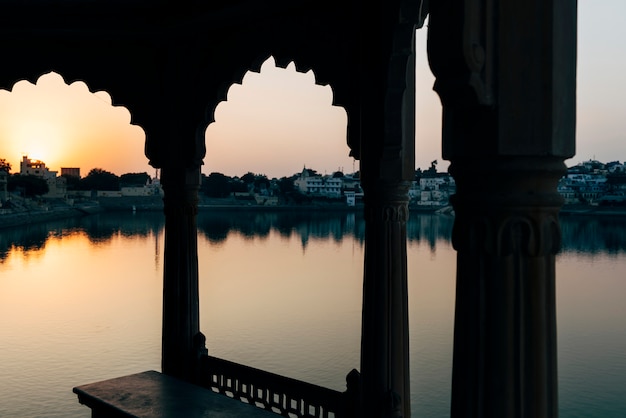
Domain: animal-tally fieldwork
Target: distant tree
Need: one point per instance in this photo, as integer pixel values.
(31, 185)
(71, 182)
(237, 185)
(5, 165)
(248, 178)
(255, 182)
(99, 179)
(261, 182)
(286, 185)
(216, 185)
(134, 179)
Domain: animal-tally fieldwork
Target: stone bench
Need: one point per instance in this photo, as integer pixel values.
(154, 395)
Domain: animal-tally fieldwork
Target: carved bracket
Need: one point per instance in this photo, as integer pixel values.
(387, 202)
(530, 232)
(507, 205)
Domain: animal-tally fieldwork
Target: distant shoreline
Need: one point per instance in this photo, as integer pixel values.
(8, 220)
(588, 210)
(27, 217)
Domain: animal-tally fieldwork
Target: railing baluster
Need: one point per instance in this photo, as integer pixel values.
(281, 395)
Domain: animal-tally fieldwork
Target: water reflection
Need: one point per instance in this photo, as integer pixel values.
(593, 235)
(338, 226)
(98, 228)
(216, 225)
(80, 301)
(582, 234)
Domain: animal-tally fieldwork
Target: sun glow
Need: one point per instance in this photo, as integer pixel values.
(68, 126)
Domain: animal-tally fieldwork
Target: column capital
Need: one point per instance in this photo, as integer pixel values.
(507, 205)
(387, 201)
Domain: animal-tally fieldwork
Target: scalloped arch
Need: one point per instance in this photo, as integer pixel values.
(34, 76)
(255, 65)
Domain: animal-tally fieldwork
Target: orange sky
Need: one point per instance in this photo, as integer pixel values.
(68, 126)
(284, 121)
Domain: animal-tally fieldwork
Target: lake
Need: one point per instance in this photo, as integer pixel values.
(80, 301)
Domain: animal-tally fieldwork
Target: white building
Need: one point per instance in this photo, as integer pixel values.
(151, 188)
(578, 187)
(318, 185)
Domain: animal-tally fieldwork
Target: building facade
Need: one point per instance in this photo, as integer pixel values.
(318, 185)
(70, 171)
(57, 186)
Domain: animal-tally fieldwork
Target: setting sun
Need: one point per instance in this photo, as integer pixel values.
(68, 126)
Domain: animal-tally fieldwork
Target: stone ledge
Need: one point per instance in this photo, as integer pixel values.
(154, 395)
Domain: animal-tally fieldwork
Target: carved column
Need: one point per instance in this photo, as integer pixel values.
(385, 333)
(180, 278)
(506, 233)
(506, 75)
(387, 153)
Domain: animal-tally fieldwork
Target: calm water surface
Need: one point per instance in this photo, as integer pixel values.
(80, 301)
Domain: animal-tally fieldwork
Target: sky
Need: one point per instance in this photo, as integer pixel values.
(285, 122)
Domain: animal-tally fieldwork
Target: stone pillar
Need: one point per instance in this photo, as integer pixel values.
(506, 232)
(506, 76)
(180, 278)
(387, 154)
(385, 332)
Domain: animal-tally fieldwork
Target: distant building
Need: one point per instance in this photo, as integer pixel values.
(57, 186)
(432, 189)
(151, 188)
(35, 168)
(351, 189)
(317, 185)
(350, 198)
(593, 182)
(70, 171)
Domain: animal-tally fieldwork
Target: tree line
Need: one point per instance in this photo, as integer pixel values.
(219, 185)
(215, 185)
(97, 179)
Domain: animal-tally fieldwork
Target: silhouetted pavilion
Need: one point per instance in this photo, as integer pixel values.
(506, 74)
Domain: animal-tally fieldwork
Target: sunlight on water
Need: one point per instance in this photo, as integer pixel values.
(73, 310)
(80, 301)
